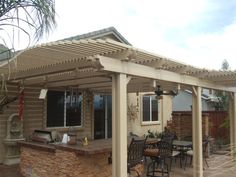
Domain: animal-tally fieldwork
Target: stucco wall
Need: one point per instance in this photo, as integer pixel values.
(166, 110)
(135, 124)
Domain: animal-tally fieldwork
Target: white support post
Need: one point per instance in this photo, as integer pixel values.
(119, 125)
(114, 138)
(197, 133)
(232, 119)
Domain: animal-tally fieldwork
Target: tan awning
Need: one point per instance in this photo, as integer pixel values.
(78, 63)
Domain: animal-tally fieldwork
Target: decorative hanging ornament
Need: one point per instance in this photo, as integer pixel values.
(21, 103)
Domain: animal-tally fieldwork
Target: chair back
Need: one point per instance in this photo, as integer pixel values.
(169, 137)
(205, 146)
(135, 152)
(165, 149)
(187, 138)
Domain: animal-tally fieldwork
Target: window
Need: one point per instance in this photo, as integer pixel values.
(150, 108)
(63, 109)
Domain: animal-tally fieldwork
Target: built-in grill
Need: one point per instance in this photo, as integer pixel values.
(42, 136)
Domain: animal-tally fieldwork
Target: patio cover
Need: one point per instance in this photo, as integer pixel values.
(103, 65)
(71, 61)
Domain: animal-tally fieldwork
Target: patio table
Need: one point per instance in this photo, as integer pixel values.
(182, 147)
(182, 144)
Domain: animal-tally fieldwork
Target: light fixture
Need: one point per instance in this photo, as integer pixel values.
(160, 92)
(43, 93)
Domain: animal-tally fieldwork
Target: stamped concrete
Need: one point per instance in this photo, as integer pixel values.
(219, 165)
(10, 171)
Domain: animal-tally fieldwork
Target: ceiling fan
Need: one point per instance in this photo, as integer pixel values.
(160, 92)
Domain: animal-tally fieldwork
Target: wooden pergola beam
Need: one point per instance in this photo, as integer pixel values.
(129, 68)
(81, 81)
(53, 69)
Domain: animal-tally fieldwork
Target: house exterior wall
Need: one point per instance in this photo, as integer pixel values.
(33, 113)
(86, 130)
(135, 124)
(183, 102)
(166, 110)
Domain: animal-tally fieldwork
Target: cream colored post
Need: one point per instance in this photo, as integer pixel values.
(206, 125)
(119, 125)
(197, 133)
(234, 122)
(114, 138)
(232, 119)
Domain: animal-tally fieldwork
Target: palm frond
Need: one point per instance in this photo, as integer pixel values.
(39, 15)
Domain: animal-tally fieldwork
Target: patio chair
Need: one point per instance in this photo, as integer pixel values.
(189, 153)
(135, 154)
(133, 134)
(158, 166)
(187, 138)
(150, 151)
(170, 137)
(205, 151)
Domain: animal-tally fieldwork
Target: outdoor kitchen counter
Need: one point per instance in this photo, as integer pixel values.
(93, 147)
(61, 160)
(64, 160)
(36, 145)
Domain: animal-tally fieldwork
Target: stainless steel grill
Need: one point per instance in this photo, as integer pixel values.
(42, 136)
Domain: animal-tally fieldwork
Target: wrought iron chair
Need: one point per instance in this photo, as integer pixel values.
(204, 152)
(135, 154)
(158, 166)
(170, 137)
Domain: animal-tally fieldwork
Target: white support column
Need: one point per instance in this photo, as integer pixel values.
(232, 119)
(197, 133)
(114, 138)
(119, 125)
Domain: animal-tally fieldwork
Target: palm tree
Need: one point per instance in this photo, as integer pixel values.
(27, 16)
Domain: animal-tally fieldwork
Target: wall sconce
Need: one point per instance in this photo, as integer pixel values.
(137, 97)
(43, 93)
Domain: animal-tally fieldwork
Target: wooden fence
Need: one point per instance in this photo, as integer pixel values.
(216, 120)
(212, 122)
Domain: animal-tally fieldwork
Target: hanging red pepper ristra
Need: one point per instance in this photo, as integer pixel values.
(21, 103)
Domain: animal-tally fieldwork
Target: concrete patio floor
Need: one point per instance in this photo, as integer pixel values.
(220, 165)
(10, 171)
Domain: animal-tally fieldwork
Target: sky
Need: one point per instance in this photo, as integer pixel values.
(201, 33)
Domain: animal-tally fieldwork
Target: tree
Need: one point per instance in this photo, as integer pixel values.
(25, 16)
(225, 65)
(222, 96)
(22, 17)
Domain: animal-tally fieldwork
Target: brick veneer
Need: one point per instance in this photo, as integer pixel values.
(41, 163)
(62, 160)
(181, 124)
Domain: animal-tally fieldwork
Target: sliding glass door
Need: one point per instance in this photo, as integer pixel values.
(102, 116)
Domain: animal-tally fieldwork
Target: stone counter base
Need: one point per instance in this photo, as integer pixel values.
(39, 163)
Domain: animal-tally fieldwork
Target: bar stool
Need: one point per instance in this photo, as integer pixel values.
(158, 167)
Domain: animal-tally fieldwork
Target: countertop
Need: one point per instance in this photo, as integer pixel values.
(93, 147)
